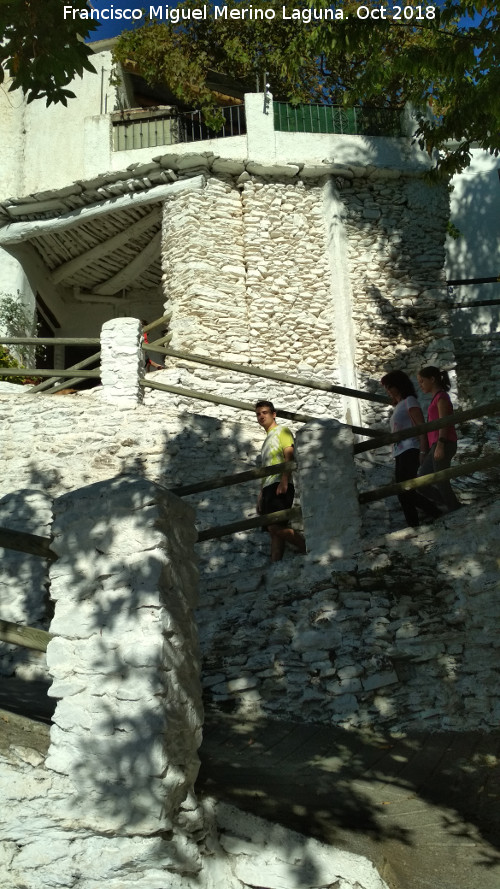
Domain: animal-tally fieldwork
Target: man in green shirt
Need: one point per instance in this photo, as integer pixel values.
(277, 491)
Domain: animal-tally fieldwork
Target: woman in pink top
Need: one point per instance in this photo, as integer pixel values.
(408, 453)
(442, 442)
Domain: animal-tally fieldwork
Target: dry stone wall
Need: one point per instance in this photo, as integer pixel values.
(283, 638)
(402, 634)
(395, 232)
(333, 278)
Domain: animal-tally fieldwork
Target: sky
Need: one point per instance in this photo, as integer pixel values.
(113, 28)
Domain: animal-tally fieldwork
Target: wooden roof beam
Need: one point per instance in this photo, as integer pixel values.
(70, 268)
(132, 271)
(17, 232)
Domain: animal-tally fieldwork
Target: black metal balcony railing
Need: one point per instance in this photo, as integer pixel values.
(192, 128)
(147, 129)
(334, 119)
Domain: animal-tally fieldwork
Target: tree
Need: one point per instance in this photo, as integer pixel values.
(41, 50)
(447, 66)
(434, 58)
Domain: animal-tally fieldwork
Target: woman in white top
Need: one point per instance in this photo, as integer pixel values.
(409, 453)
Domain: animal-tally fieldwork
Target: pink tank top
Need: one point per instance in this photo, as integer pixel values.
(433, 414)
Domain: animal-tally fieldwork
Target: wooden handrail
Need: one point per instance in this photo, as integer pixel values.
(365, 497)
(49, 341)
(247, 405)
(269, 374)
(31, 544)
(225, 481)
(152, 324)
(455, 419)
(25, 637)
(423, 481)
(47, 372)
(51, 382)
(246, 524)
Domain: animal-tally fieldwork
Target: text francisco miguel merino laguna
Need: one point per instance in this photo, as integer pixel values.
(200, 13)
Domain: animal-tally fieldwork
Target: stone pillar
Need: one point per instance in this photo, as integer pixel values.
(328, 494)
(125, 662)
(260, 126)
(122, 361)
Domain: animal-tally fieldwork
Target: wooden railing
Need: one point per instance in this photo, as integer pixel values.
(24, 637)
(375, 494)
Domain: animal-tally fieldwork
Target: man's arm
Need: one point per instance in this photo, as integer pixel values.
(283, 485)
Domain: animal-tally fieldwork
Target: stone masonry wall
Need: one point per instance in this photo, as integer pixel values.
(252, 275)
(246, 279)
(395, 234)
(283, 638)
(124, 660)
(402, 634)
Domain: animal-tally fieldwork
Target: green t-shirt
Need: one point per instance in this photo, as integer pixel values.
(277, 439)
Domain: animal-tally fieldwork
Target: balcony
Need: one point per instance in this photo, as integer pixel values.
(337, 120)
(148, 128)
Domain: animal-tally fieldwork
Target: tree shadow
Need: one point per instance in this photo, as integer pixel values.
(258, 641)
(23, 577)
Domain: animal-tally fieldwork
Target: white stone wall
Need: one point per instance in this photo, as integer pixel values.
(336, 279)
(124, 658)
(262, 627)
(395, 230)
(401, 634)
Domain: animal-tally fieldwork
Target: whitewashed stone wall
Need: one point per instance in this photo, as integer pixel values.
(340, 277)
(124, 660)
(36, 851)
(395, 233)
(402, 634)
(252, 615)
(247, 279)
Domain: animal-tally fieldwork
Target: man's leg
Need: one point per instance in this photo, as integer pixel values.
(277, 544)
(280, 536)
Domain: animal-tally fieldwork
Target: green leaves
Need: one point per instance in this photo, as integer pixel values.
(448, 70)
(41, 50)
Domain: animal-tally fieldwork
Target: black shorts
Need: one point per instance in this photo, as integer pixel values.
(273, 502)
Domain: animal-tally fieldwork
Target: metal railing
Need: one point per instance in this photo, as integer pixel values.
(335, 119)
(192, 128)
(132, 129)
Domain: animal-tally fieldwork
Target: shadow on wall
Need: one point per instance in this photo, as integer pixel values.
(475, 208)
(24, 578)
(264, 634)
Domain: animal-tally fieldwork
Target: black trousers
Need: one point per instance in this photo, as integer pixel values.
(407, 466)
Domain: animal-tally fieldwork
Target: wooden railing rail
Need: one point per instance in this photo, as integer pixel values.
(252, 370)
(365, 497)
(247, 524)
(25, 637)
(423, 481)
(225, 481)
(48, 372)
(31, 544)
(455, 419)
(51, 383)
(159, 321)
(246, 405)
(49, 341)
